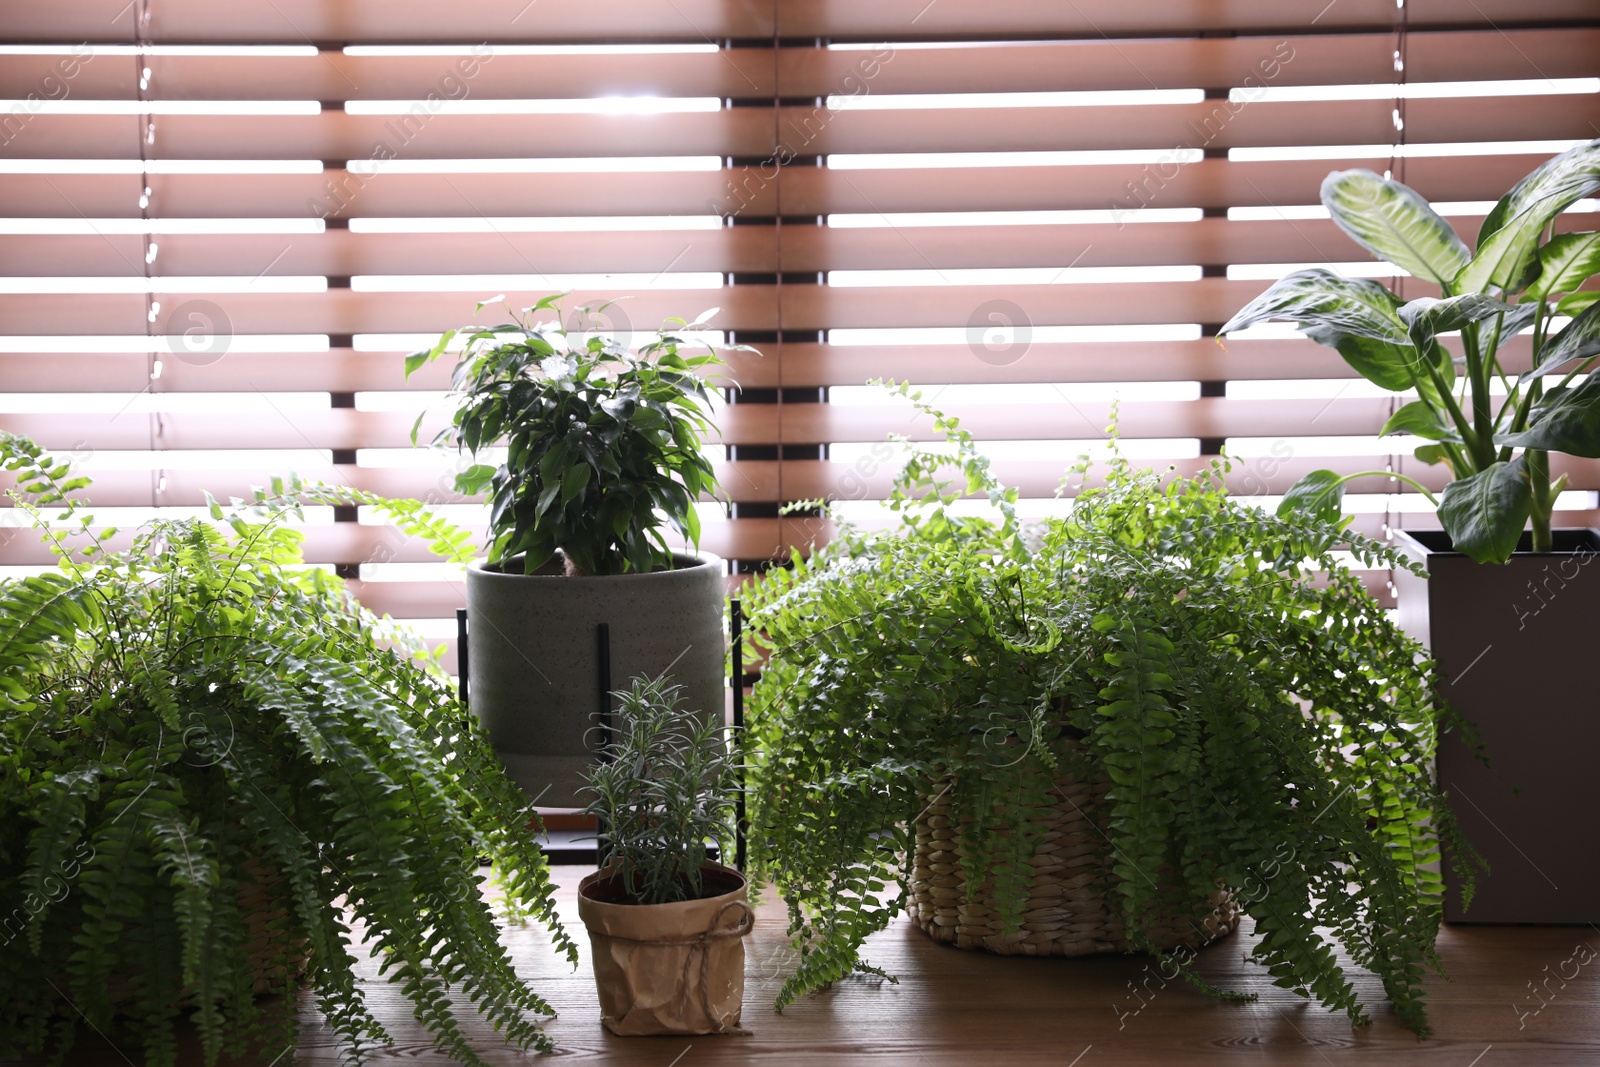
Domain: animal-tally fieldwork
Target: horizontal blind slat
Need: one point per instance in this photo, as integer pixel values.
(803, 366)
(792, 423)
(806, 248)
(332, 75)
(749, 307)
(346, 311)
(1187, 62)
(405, 21)
(749, 132)
(345, 542)
(914, 19)
(757, 480)
(343, 253)
(337, 193)
(1210, 183)
(747, 73)
(337, 136)
(742, 191)
(297, 21)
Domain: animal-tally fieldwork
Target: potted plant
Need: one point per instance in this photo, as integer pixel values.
(1496, 625)
(1109, 732)
(665, 924)
(603, 454)
(217, 769)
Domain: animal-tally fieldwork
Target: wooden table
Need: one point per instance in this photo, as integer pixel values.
(964, 1008)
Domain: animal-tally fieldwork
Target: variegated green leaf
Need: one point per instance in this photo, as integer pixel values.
(1578, 339)
(1394, 223)
(1484, 513)
(1320, 297)
(1508, 243)
(1568, 422)
(1565, 262)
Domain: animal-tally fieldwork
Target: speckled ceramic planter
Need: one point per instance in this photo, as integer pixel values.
(533, 667)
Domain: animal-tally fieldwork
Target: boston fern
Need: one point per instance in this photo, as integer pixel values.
(1522, 277)
(1262, 730)
(603, 445)
(199, 721)
(665, 788)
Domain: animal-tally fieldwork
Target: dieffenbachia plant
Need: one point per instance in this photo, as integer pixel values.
(1523, 276)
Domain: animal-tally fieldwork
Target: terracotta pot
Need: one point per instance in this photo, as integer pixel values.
(1511, 640)
(534, 665)
(669, 968)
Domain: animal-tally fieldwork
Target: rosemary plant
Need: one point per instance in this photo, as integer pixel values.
(665, 788)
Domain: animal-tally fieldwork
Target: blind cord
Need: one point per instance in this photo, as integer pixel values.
(1397, 166)
(152, 307)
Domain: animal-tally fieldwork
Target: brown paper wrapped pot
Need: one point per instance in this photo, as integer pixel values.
(669, 968)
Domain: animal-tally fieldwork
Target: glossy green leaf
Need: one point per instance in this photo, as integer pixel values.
(1389, 366)
(1577, 303)
(1395, 224)
(1421, 419)
(1357, 318)
(1508, 243)
(1566, 261)
(1432, 454)
(474, 479)
(1568, 421)
(1484, 513)
(1354, 306)
(1578, 339)
(1427, 317)
(1319, 494)
(573, 481)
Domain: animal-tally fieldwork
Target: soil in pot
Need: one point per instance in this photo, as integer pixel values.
(668, 968)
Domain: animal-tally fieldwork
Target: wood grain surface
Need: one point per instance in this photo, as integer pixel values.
(952, 1007)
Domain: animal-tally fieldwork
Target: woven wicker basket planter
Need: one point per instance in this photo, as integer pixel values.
(261, 909)
(1069, 911)
(269, 965)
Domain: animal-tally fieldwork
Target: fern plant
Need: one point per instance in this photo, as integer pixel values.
(664, 789)
(199, 715)
(1163, 634)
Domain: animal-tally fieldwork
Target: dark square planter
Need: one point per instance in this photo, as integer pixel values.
(1512, 642)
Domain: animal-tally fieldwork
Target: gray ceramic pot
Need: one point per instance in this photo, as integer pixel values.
(533, 666)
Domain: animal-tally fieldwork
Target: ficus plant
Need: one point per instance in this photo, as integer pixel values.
(664, 788)
(1523, 277)
(603, 445)
(1262, 728)
(217, 770)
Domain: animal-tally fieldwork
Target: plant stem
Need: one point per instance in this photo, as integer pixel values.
(1543, 499)
(1478, 382)
(1412, 482)
(1469, 436)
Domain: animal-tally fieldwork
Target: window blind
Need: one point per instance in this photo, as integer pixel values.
(221, 226)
